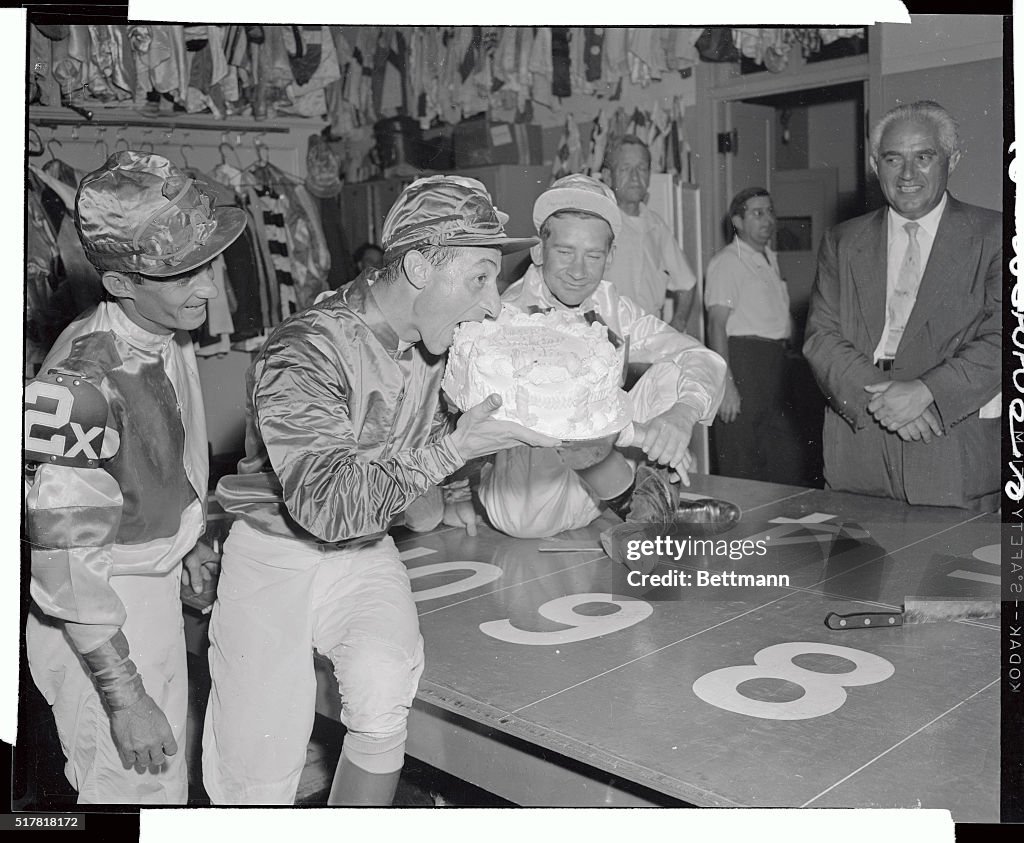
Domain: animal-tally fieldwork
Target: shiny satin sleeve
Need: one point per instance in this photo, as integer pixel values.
(679, 363)
(329, 488)
(73, 515)
(442, 424)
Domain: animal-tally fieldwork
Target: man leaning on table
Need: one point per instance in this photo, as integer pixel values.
(345, 431)
(535, 492)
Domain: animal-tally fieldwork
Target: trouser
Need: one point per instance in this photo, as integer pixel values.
(277, 599)
(155, 632)
(761, 443)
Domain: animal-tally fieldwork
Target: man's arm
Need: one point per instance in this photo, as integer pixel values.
(841, 370)
(682, 306)
(965, 381)
(680, 365)
(683, 373)
(72, 515)
(300, 400)
(718, 341)
(301, 409)
(682, 282)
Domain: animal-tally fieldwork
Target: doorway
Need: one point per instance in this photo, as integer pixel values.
(808, 148)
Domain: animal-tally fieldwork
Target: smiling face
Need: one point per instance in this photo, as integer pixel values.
(574, 251)
(462, 290)
(164, 306)
(912, 168)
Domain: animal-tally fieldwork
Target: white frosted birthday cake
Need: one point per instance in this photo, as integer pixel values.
(555, 373)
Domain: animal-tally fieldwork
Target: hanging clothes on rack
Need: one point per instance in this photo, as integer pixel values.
(249, 266)
(291, 227)
(84, 287)
(219, 323)
(213, 337)
(161, 63)
(323, 166)
(47, 313)
(314, 63)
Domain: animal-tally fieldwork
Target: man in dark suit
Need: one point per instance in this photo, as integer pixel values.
(904, 333)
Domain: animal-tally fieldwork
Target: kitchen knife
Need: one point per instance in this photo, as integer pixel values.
(917, 610)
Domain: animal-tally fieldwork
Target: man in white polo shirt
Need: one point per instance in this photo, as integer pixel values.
(749, 325)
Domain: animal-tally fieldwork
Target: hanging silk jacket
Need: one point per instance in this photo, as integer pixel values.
(70, 63)
(161, 62)
(291, 225)
(249, 264)
(112, 66)
(43, 323)
(315, 65)
(274, 66)
(80, 277)
(45, 89)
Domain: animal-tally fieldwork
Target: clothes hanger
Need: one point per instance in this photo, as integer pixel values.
(39, 149)
(49, 147)
(101, 139)
(262, 154)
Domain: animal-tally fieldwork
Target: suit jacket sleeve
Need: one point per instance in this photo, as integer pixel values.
(841, 370)
(971, 375)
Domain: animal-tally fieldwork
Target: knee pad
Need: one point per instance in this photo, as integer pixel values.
(374, 752)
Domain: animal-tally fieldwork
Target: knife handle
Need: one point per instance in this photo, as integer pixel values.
(863, 620)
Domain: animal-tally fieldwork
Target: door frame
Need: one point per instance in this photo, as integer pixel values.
(719, 84)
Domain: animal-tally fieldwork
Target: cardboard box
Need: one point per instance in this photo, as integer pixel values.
(479, 141)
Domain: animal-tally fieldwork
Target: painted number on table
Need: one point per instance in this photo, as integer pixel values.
(823, 693)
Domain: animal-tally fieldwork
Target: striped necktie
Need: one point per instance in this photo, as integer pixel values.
(904, 293)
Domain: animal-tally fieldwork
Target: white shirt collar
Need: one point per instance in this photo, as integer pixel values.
(135, 334)
(929, 222)
(747, 252)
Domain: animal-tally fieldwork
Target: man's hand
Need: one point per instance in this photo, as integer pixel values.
(922, 428)
(666, 439)
(142, 734)
(730, 406)
(896, 403)
(201, 565)
(477, 434)
(461, 514)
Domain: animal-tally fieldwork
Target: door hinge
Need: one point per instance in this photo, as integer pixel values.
(728, 141)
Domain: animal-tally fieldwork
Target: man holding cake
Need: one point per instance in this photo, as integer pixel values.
(345, 430)
(535, 492)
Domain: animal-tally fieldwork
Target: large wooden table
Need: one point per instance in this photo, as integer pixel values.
(551, 681)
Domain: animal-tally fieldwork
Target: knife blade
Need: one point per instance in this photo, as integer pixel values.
(917, 610)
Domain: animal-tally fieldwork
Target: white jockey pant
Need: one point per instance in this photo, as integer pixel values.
(277, 599)
(155, 632)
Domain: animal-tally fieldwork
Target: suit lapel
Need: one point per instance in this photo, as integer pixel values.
(945, 271)
(868, 267)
